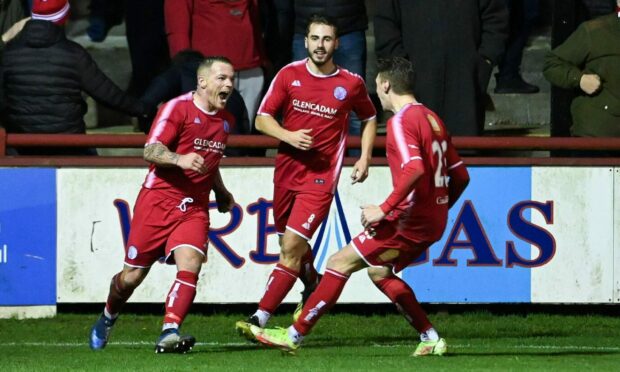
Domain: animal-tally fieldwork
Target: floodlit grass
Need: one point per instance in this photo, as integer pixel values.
(476, 341)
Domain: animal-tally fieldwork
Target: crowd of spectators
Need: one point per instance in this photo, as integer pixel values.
(454, 47)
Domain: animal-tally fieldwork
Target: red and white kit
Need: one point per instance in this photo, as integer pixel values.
(321, 103)
(172, 207)
(416, 218)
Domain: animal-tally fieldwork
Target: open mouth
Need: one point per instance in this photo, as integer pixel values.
(223, 95)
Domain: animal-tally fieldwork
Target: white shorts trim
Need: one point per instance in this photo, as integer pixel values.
(361, 255)
(297, 232)
(184, 245)
(136, 266)
(368, 263)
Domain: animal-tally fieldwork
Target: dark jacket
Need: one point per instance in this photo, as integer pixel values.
(348, 15)
(449, 43)
(43, 75)
(589, 50)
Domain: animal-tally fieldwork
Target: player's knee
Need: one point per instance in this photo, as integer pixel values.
(293, 247)
(133, 277)
(338, 262)
(188, 259)
(376, 274)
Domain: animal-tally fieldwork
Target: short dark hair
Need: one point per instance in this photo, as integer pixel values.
(321, 20)
(399, 72)
(210, 60)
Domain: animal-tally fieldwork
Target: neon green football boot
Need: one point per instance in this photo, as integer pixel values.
(276, 338)
(426, 348)
(244, 327)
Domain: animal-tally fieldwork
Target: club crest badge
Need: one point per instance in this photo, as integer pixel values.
(226, 126)
(132, 252)
(340, 93)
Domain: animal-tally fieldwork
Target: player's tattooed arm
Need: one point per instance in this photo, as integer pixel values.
(161, 156)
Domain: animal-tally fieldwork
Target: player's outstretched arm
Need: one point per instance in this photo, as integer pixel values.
(300, 139)
(224, 198)
(405, 184)
(159, 155)
(360, 168)
(459, 179)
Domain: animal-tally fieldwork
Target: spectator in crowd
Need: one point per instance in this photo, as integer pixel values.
(351, 20)
(104, 14)
(523, 14)
(414, 215)
(589, 60)
(43, 75)
(13, 16)
(453, 46)
(171, 215)
(146, 36)
(279, 23)
(181, 78)
(230, 28)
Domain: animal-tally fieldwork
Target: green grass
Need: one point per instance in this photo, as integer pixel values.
(476, 341)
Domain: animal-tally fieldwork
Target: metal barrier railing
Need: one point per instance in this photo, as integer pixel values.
(491, 146)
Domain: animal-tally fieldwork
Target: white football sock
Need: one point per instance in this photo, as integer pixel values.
(263, 317)
(108, 315)
(169, 326)
(295, 336)
(429, 335)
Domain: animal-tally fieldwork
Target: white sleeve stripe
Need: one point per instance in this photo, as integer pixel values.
(340, 157)
(455, 165)
(369, 119)
(399, 136)
(161, 121)
(269, 93)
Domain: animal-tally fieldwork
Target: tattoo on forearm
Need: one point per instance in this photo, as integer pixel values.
(160, 155)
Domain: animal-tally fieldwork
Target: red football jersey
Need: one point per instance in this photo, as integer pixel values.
(183, 127)
(321, 103)
(417, 134)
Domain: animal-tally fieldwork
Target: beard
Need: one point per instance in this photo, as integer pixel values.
(320, 62)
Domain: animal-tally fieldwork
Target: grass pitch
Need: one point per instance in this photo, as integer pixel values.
(341, 342)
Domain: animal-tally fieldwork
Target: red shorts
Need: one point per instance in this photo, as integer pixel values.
(160, 225)
(302, 212)
(384, 245)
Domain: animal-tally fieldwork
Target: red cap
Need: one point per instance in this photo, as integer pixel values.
(56, 11)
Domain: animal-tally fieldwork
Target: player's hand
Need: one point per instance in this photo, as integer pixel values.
(192, 161)
(300, 139)
(225, 201)
(360, 171)
(590, 83)
(371, 214)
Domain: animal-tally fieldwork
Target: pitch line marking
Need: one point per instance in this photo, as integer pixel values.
(225, 344)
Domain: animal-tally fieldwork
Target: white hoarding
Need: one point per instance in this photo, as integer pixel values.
(91, 203)
(582, 268)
